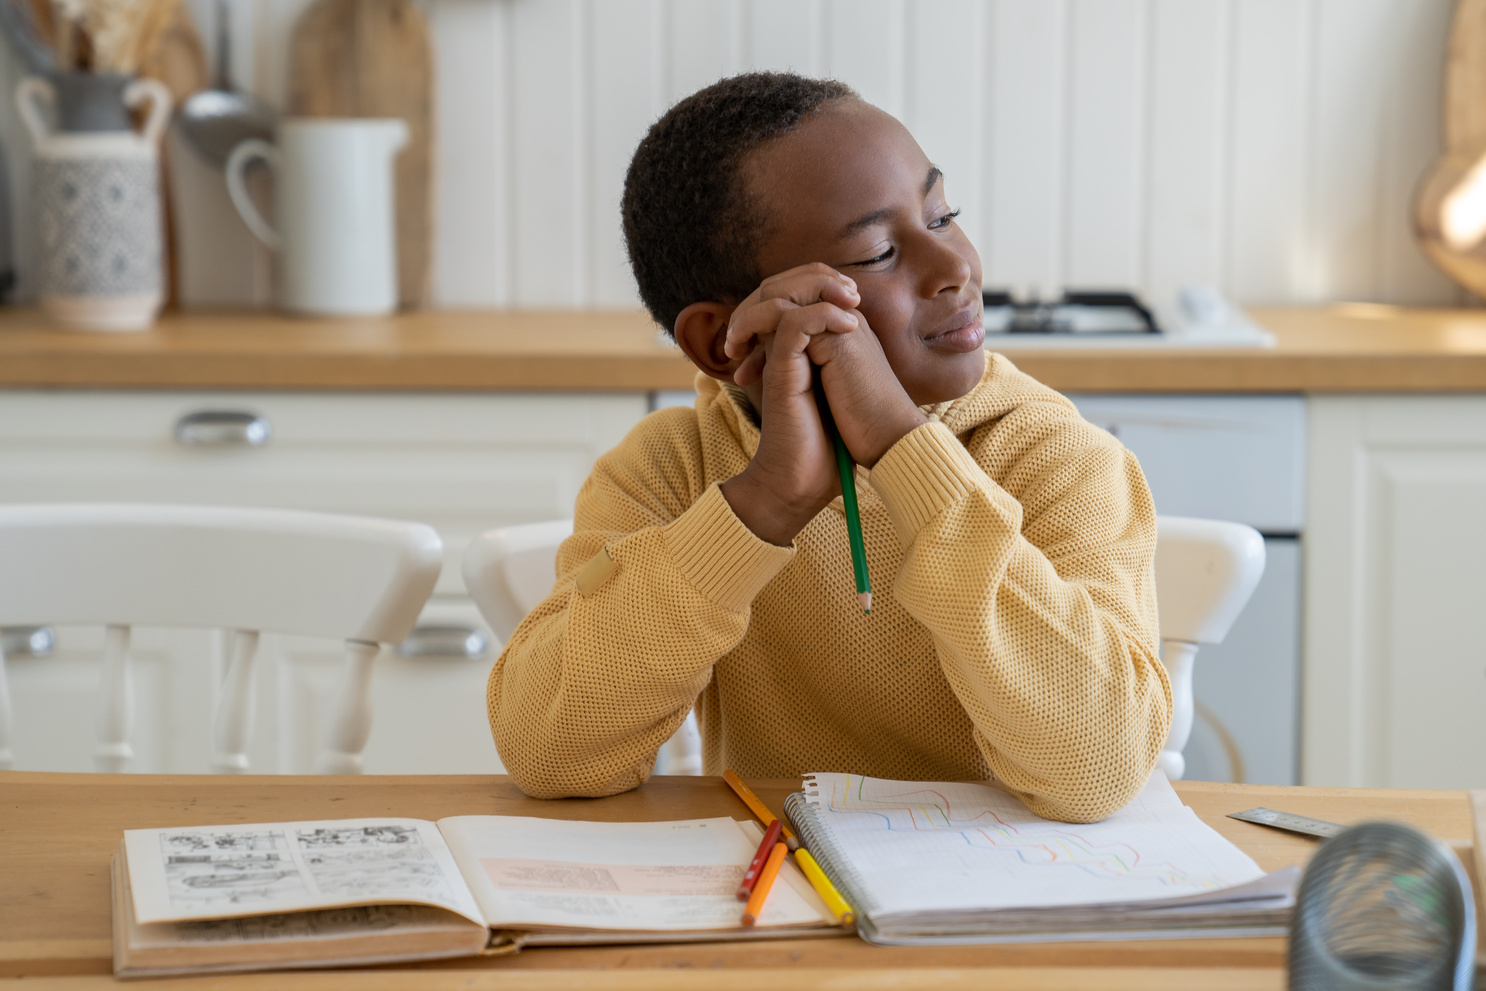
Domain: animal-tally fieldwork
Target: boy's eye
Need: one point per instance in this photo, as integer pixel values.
(873, 261)
(945, 220)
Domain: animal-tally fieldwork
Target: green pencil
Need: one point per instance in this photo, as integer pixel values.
(847, 468)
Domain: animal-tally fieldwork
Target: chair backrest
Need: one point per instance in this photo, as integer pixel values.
(1206, 570)
(357, 579)
(509, 571)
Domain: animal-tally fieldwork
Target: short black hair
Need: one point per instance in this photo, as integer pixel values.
(689, 225)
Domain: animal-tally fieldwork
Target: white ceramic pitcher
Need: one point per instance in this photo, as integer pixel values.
(335, 241)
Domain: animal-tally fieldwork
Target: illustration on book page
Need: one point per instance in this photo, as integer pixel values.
(236, 867)
(366, 859)
(221, 871)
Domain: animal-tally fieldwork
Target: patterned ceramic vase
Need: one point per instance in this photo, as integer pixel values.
(98, 220)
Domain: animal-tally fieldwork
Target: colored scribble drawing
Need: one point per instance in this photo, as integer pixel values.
(232, 868)
(1032, 840)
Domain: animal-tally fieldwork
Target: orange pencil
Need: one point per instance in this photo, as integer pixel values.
(755, 905)
(757, 807)
(765, 847)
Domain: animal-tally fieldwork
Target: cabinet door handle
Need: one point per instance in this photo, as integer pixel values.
(28, 641)
(222, 428)
(446, 641)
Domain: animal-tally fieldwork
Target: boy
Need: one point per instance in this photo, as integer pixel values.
(783, 228)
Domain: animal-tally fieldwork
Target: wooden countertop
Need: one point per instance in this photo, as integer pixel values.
(1342, 348)
(57, 832)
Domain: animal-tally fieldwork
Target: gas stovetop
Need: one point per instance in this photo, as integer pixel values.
(1075, 312)
(1116, 318)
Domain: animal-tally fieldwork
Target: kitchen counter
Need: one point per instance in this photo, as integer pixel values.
(1341, 348)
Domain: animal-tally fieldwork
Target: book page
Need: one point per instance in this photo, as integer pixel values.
(217, 872)
(943, 846)
(666, 876)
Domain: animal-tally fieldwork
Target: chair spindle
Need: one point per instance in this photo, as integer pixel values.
(232, 725)
(350, 718)
(115, 703)
(1178, 656)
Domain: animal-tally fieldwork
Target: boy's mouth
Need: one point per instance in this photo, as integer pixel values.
(963, 332)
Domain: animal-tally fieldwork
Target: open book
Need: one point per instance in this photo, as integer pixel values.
(934, 862)
(361, 891)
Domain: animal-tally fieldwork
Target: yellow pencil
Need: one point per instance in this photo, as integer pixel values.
(817, 877)
(823, 887)
(766, 877)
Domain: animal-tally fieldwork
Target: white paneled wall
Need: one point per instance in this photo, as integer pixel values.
(1268, 147)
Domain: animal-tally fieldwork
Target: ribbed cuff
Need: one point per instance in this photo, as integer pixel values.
(927, 471)
(719, 555)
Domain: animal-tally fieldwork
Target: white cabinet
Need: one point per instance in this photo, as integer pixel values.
(460, 462)
(1395, 675)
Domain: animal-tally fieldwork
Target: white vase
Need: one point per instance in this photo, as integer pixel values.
(99, 224)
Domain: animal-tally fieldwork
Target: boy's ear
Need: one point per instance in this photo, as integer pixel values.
(701, 330)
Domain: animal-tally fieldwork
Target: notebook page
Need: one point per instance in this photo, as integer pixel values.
(218, 872)
(665, 876)
(925, 846)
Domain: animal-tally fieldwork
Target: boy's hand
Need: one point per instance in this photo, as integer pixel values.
(794, 321)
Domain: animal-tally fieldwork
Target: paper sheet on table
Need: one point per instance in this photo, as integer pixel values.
(217, 872)
(942, 847)
(530, 873)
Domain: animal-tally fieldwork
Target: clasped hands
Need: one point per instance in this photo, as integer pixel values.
(795, 321)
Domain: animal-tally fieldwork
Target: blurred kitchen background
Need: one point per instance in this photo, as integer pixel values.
(1269, 148)
(1262, 152)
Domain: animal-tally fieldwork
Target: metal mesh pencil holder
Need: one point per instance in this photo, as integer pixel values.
(1382, 907)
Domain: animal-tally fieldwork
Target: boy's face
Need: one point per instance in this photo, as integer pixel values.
(852, 189)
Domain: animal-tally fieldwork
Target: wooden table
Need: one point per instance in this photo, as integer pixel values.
(57, 832)
(1340, 348)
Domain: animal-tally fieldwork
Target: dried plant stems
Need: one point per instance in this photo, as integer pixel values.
(120, 33)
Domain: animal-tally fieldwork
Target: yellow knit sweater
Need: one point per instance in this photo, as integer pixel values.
(1013, 633)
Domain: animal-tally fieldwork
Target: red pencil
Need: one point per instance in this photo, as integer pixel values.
(750, 876)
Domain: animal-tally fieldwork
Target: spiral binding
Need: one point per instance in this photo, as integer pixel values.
(802, 814)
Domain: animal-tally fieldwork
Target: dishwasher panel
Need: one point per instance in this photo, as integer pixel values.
(1239, 458)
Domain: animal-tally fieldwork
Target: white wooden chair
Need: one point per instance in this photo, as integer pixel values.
(247, 571)
(1206, 570)
(508, 572)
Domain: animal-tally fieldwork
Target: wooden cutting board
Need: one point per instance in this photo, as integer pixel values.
(179, 61)
(372, 58)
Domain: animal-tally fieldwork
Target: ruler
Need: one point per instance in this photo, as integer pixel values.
(1289, 821)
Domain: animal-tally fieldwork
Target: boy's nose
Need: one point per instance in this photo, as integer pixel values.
(946, 268)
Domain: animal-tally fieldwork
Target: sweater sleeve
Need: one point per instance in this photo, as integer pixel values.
(600, 675)
(1041, 603)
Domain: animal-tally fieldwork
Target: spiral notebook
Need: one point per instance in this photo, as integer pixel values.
(944, 862)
